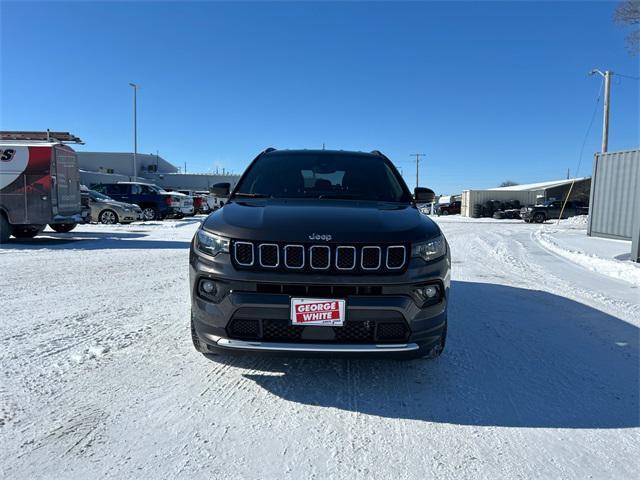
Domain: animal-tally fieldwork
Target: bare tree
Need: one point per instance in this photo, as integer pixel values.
(627, 13)
(508, 183)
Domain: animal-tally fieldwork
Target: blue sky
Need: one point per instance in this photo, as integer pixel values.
(489, 91)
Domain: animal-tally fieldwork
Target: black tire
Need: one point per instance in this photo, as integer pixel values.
(5, 229)
(438, 349)
(108, 217)
(26, 231)
(149, 214)
(539, 218)
(62, 227)
(445, 212)
(197, 344)
(433, 352)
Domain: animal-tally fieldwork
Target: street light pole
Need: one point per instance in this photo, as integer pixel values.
(135, 127)
(417, 155)
(605, 115)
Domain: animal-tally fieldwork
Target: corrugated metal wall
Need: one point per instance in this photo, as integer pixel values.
(615, 194)
(473, 197)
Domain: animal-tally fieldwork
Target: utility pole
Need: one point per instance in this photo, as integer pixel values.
(605, 116)
(417, 155)
(135, 127)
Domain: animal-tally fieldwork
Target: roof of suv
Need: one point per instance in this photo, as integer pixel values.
(321, 152)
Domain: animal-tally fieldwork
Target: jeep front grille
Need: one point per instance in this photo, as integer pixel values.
(320, 258)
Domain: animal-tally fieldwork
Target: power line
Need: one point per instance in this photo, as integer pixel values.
(626, 76)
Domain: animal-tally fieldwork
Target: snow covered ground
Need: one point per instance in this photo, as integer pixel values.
(99, 379)
(602, 255)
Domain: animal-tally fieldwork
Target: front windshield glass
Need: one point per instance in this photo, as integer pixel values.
(157, 189)
(99, 196)
(323, 175)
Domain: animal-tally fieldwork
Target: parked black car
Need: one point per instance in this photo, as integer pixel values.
(156, 204)
(451, 208)
(320, 252)
(551, 209)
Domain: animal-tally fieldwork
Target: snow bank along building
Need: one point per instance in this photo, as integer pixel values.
(529, 194)
(113, 167)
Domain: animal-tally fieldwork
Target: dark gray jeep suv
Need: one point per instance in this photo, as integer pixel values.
(320, 252)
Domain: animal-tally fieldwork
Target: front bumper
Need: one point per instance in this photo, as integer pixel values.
(257, 346)
(243, 298)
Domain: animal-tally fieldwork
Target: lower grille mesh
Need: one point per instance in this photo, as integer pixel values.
(278, 330)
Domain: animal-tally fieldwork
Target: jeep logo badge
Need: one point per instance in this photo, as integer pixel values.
(316, 236)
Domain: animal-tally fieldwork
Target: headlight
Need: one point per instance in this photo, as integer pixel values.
(430, 250)
(211, 244)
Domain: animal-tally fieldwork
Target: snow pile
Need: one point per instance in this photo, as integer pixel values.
(578, 220)
(622, 270)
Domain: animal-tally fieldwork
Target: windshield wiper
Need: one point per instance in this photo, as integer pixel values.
(252, 195)
(338, 195)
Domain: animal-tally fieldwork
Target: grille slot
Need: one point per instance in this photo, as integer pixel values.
(320, 257)
(269, 255)
(294, 256)
(244, 253)
(345, 258)
(371, 258)
(396, 256)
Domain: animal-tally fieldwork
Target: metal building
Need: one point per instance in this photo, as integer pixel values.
(529, 194)
(112, 167)
(615, 197)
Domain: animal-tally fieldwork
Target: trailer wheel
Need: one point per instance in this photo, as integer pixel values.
(108, 217)
(26, 231)
(539, 218)
(5, 229)
(62, 227)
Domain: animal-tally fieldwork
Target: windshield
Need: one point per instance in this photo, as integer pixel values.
(323, 175)
(99, 196)
(157, 189)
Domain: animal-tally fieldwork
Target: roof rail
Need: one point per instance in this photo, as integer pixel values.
(62, 137)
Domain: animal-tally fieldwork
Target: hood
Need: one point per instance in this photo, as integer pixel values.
(282, 220)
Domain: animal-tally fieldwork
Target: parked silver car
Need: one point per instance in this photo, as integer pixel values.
(105, 209)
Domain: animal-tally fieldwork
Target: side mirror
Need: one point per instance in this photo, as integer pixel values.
(221, 189)
(423, 195)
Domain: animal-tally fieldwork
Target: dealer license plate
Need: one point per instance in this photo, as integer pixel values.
(317, 311)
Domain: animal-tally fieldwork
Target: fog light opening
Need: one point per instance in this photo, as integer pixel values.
(430, 291)
(208, 287)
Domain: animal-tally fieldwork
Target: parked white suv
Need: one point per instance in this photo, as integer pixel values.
(183, 203)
